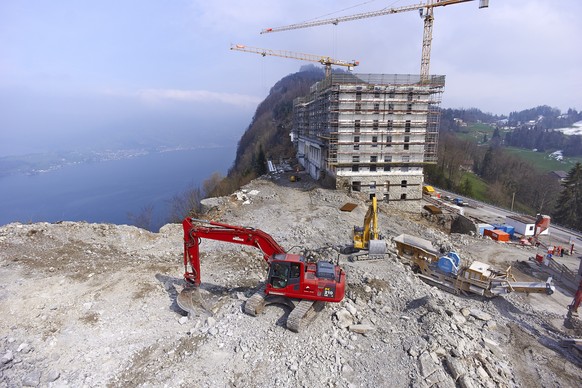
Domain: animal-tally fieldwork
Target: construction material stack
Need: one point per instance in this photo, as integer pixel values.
(449, 272)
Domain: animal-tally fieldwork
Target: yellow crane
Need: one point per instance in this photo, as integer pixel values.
(324, 60)
(425, 9)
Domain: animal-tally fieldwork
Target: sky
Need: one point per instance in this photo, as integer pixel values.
(105, 73)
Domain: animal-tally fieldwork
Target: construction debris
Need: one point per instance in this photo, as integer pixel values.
(77, 295)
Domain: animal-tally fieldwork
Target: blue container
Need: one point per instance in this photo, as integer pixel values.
(510, 230)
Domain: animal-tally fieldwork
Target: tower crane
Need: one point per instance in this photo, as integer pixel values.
(425, 8)
(324, 60)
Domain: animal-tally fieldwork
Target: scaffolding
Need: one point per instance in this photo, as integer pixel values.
(373, 133)
(372, 114)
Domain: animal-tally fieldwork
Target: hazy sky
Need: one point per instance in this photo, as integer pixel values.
(99, 71)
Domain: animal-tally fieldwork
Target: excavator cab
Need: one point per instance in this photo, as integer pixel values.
(279, 274)
(283, 274)
(292, 276)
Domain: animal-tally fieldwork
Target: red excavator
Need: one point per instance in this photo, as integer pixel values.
(292, 280)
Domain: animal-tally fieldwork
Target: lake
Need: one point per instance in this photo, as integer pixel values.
(107, 191)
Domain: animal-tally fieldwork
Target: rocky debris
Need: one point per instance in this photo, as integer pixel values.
(480, 315)
(94, 305)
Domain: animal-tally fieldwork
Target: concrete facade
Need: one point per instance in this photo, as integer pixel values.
(372, 133)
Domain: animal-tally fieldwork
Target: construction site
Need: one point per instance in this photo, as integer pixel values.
(98, 305)
(370, 133)
(289, 283)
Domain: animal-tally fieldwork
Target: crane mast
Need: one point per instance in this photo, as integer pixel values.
(324, 60)
(426, 12)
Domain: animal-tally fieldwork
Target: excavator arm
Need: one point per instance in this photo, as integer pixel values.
(195, 230)
(369, 231)
(372, 218)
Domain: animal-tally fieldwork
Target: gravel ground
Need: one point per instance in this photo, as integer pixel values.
(94, 305)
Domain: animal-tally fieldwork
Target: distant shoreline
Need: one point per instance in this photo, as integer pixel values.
(108, 192)
(46, 162)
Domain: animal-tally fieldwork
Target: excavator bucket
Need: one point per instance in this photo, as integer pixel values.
(190, 300)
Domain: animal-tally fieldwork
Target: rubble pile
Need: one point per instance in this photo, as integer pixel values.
(94, 305)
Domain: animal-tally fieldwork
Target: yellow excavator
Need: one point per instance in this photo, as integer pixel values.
(367, 238)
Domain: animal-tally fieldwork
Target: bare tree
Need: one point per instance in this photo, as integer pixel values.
(210, 185)
(143, 219)
(185, 203)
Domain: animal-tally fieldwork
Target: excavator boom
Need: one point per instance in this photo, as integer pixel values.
(221, 232)
(369, 231)
(292, 280)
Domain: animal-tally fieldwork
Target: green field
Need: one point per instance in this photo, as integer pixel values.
(477, 131)
(478, 186)
(542, 160)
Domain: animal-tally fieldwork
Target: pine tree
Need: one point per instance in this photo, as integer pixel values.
(569, 206)
(496, 138)
(486, 164)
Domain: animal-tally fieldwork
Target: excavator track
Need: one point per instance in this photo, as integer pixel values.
(303, 313)
(256, 303)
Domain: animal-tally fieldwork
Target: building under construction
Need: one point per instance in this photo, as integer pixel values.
(370, 133)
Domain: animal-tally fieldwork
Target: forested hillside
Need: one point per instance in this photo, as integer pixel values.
(267, 137)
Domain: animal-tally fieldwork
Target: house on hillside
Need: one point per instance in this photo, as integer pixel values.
(558, 175)
(459, 122)
(370, 133)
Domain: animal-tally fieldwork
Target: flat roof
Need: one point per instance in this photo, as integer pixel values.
(523, 219)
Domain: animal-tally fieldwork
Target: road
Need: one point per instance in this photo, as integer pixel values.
(495, 215)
